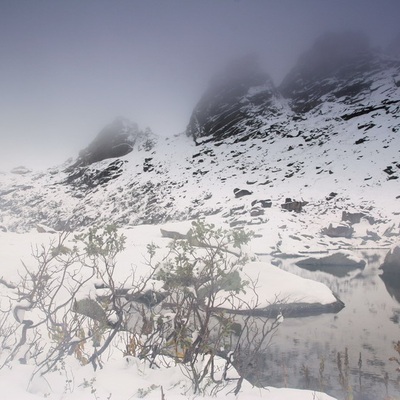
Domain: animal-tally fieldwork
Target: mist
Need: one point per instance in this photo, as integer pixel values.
(69, 68)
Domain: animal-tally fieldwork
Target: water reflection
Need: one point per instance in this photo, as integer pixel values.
(392, 284)
(305, 351)
(337, 264)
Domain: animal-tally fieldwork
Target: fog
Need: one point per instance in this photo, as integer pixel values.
(70, 67)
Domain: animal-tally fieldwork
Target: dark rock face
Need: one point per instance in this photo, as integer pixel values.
(234, 103)
(342, 56)
(339, 68)
(391, 264)
(115, 140)
(88, 178)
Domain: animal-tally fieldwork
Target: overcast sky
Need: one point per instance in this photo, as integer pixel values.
(69, 67)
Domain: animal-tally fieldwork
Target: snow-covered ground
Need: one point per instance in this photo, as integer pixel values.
(125, 377)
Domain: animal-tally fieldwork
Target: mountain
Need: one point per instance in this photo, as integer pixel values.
(323, 143)
(115, 140)
(236, 103)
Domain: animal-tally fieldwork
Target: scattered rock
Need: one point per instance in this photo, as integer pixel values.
(362, 140)
(296, 206)
(389, 170)
(147, 165)
(331, 196)
(241, 192)
(237, 210)
(234, 224)
(390, 231)
(256, 212)
(338, 230)
(353, 218)
(173, 235)
(263, 203)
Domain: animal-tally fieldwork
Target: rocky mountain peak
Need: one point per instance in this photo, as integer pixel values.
(338, 65)
(233, 97)
(115, 140)
(243, 72)
(331, 52)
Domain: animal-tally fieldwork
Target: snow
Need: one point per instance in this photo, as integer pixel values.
(275, 285)
(74, 382)
(126, 378)
(304, 159)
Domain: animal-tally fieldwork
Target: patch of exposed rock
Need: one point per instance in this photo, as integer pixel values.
(338, 230)
(337, 264)
(235, 103)
(115, 140)
(329, 67)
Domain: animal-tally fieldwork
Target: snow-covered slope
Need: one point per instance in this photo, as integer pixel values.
(340, 152)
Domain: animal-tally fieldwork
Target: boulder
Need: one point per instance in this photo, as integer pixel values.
(92, 309)
(263, 203)
(293, 205)
(353, 218)
(241, 192)
(256, 212)
(337, 264)
(338, 230)
(173, 235)
(331, 196)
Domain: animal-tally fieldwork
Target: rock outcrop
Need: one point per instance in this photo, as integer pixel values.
(337, 264)
(235, 103)
(338, 230)
(115, 140)
(333, 68)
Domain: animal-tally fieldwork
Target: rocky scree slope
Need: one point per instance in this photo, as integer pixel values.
(325, 143)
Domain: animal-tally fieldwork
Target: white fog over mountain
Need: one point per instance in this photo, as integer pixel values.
(200, 199)
(67, 70)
